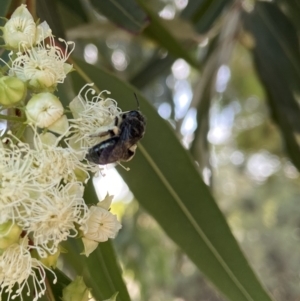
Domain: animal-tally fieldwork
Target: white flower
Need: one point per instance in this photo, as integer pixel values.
(43, 66)
(44, 109)
(54, 164)
(54, 216)
(18, 182)
(27, 174)
(21, 31)
(16, 267)
(101, 225)
(91, 117)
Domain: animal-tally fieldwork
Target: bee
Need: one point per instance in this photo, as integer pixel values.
(129, 128)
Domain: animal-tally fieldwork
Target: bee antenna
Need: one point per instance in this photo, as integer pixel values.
(137, 101)
(126, 168)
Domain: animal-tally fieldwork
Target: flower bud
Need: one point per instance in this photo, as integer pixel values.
(76, 291)
(44, 109)
(20, 29)
(12, 91)
(9, 234)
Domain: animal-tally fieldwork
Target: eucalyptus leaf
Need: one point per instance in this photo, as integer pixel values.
(203, 14)
(5, 4)
(157, 31)
(76, 7)
(126, 14)
(165, 181)
(277, 59)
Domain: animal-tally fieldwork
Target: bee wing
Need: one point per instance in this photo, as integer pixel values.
(125, 132)
(102, 153)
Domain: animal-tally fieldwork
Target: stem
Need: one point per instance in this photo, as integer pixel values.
(12, 118)
(20, 131)
(49, 292)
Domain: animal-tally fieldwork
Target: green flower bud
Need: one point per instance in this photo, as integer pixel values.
(76, 291)
(44, 109)
(12, 91)
(9, 234)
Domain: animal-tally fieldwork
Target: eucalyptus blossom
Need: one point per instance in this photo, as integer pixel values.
(43, 170)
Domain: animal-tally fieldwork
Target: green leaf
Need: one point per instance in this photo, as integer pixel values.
(113, 297)
(62, 281)
(277, 58)
(164, 179)
(5, 4)
(47, 11)
(154, 67)
(101, 271)
(157, 31)
(126, 14)
(204, 13)
(292, 9)
(207, 13)
(76, 7)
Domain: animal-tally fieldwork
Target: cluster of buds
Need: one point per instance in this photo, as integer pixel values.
(43, 170)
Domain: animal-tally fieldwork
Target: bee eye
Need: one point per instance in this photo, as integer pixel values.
(124, 116)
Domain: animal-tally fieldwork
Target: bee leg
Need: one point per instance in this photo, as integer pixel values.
(130, 152)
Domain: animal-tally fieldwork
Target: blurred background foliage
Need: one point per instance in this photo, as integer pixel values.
(225, 75)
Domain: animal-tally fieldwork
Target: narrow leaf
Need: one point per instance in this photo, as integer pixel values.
(5, 4)
(157, 31)
(207, 13)
(126, 14)
(164, 179)
(76, 7)
(277, 58)
(62, 282)
(153, 68)
(203, 14)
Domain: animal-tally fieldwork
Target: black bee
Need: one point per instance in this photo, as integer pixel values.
(129, 129)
